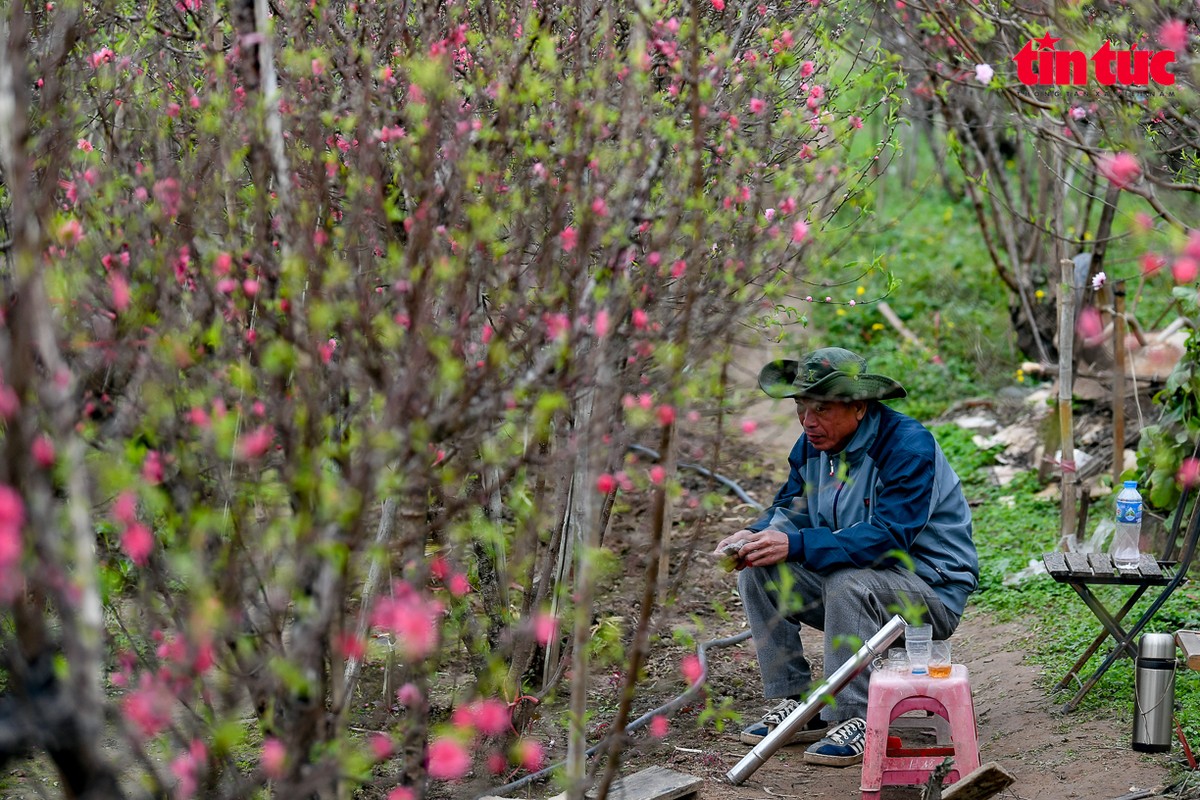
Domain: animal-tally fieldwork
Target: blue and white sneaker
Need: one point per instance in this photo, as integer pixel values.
(758, 731)
(841, 747)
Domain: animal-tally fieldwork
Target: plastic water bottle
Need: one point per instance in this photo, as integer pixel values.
(1127, 536)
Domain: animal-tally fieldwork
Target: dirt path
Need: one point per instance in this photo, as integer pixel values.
(1052, 756)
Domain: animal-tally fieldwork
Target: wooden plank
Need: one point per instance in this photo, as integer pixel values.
(653, 783)
(1120, 578)
(987, 781)
(1101, 563)
(1078, 564)
(1149, 567)
(1055, 563)
(1189, 643)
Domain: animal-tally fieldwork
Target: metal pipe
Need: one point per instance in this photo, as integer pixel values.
(818, 697)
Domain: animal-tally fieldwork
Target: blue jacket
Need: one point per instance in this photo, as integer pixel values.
(890, 490)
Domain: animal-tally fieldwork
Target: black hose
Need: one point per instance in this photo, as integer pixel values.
(706, 472)
(671, 707)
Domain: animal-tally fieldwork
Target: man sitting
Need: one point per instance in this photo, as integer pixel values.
(871, 522)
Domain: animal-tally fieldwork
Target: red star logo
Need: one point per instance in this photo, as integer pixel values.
(1047, 42)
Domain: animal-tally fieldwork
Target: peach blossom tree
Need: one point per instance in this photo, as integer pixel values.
(325, 330)
(1065, 139)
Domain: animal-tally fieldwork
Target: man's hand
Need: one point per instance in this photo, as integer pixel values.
(759, 549)
(729, 550)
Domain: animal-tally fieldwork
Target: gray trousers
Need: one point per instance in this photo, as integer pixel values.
(850, 606)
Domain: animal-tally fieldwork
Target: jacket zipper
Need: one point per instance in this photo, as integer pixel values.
(837, 494)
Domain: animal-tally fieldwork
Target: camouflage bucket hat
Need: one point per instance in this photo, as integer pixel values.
(831, 373)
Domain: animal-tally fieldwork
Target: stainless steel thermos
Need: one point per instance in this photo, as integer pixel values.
(1154, 693)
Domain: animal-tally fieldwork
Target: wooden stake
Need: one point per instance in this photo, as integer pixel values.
(990, 779)
(1066, 348)
(1118, 411)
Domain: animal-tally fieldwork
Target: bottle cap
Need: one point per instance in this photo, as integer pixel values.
(1157, 645)
(1130, 484)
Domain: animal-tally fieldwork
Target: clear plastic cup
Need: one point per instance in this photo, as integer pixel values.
(897, 660)
(917, 641)
(939, 659)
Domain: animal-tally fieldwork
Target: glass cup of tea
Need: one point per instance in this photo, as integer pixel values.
(939, 659)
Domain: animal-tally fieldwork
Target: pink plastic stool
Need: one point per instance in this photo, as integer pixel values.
(892, 694)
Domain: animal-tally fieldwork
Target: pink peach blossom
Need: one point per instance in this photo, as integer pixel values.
(43, 451)
(137, 542)
(120, 291)
(1173, 35)
(1121, 169)
(1152, 263)
(799, 231)
(459, 585)
(557, 325)
(381, 746)
(1192, 247)
(1189, 472)
(491, 717)
(273, 758)
(447, 760)
(411, 618)
(692, 669)
(12, 518)
(1184, 269)
(254, 444)
(568, 238)
(168, 195)
(409, 695)
(10, 404)
(1089, 325)
(152, 468)
(529, 754)
(545, 627)
(125, 508)
(148, 707)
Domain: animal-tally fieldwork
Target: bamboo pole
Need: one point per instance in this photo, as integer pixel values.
(1066, 347)
(584, 537)
(1118, 411)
